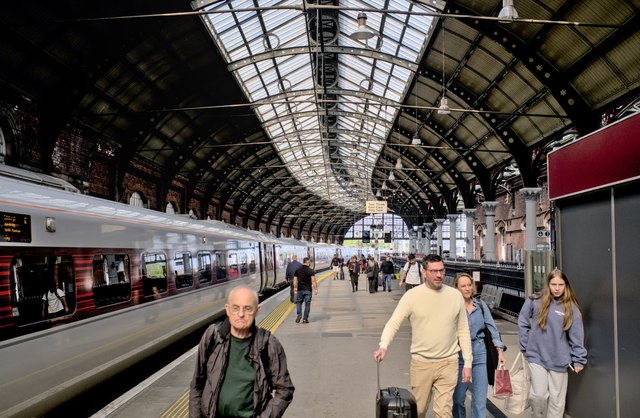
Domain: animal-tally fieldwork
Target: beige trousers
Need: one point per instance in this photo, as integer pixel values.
(439, 376)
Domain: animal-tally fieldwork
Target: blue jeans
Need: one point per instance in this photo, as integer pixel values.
(386, 281)
(479, 384)
(306, 296)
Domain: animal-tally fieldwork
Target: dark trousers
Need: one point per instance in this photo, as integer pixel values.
(354, 280)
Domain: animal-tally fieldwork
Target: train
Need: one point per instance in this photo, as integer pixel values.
(134, 281)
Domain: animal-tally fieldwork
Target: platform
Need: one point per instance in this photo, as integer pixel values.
(330, 358)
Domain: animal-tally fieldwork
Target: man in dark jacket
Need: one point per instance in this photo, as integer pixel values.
(241, 370)
(387, 272)
(292, 267)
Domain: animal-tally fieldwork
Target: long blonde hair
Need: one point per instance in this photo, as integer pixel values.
(568, 301)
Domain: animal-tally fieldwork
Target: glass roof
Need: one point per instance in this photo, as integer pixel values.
(327, 101)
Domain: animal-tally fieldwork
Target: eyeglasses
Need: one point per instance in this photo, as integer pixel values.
(245, 309)
(441, 271)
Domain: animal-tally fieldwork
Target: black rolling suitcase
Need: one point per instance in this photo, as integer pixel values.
(393, 402)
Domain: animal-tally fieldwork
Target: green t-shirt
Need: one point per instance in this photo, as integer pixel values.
(236, 394)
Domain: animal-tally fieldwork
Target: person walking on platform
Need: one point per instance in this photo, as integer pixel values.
(241, 369)
(354, 269)
(387, 273)
(335, 266)
(372, 274)
(552, 338)
(303, 281)
(480, 321)
(293, 266)
(439, 330)
(411, 273)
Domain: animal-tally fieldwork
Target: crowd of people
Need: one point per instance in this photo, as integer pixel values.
(241, 370)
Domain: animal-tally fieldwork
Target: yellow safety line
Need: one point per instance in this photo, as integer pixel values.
(180, 408)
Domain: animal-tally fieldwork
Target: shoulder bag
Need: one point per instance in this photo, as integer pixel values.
(492, 353)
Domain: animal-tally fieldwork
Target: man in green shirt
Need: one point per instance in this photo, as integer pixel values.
(241, 370)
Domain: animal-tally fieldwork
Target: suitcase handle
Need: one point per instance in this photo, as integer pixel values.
(378, 374)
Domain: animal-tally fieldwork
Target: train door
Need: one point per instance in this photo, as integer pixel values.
(269, 265)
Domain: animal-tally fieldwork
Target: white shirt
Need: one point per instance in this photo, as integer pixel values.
(413, 273)
(54, 302)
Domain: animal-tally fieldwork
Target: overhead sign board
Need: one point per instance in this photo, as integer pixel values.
(376, 206)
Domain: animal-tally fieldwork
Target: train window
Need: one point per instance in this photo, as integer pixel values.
(183, 269)
(232, 262)
(154, 273)
(36, 281)
(111, 279)
(220, 265)
(252, 262)
(244, 268)
(204, 267)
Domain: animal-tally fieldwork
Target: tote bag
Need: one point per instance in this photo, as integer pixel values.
(502, 387)
(520, 384)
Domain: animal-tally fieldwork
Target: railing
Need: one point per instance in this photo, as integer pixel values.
(501, 284)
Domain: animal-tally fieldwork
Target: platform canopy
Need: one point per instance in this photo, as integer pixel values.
(295, 113)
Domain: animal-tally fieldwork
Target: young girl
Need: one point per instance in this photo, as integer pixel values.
(552, 338)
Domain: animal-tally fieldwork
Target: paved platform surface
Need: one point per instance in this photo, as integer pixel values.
(330, 358)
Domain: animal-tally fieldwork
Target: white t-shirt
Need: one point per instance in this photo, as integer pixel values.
(55, 304)
(413, 273)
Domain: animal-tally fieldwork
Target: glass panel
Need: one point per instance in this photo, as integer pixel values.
(183, 269)
(154, 273)
(204, 267)
(111, 279)
(42, 287)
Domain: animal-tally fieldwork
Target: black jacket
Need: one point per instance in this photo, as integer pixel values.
(267, 355)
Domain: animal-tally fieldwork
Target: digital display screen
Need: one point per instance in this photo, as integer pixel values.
(15, 227)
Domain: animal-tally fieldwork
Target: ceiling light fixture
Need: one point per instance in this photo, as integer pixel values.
(508, 12)
(443, 109)
(378, 194)
(392, 176)
(363, 33)
(399, 164)
(384, 185)
(416, 139)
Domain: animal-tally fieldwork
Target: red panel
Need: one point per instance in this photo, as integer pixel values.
(606, 157)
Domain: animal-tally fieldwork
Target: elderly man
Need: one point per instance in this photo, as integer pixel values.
(241, 370)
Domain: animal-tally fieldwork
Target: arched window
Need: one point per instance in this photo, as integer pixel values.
(136, 200)
(170, 209)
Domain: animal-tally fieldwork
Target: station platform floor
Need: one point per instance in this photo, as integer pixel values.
(330, 359)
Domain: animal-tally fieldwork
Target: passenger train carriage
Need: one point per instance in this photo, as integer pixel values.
(135, 280)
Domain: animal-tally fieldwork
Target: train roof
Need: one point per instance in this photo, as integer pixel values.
(25, 193)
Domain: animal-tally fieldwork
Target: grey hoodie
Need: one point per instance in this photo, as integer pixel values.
(553, 349)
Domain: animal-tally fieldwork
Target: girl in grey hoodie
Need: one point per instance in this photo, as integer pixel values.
(552, 337)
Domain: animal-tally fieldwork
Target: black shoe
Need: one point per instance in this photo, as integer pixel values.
(305, 321)
(298, 319)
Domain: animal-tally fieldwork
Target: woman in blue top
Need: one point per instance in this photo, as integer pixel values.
(479, 316)
(552, 338)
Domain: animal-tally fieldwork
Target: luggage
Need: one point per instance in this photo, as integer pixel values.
(394, 402)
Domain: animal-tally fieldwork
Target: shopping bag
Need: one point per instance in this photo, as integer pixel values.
(520, 384)
(502, 383)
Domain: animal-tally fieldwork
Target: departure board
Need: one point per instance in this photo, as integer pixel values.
(15, 227)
